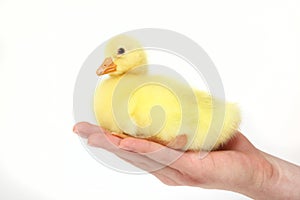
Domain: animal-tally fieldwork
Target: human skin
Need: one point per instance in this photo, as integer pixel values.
(238, 166)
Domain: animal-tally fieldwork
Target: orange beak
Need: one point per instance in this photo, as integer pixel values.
(107, 67)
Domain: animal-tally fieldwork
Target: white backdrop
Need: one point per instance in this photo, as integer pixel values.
(254, 45)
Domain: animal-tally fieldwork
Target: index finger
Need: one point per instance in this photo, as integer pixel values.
(85, 129)
(169, 157)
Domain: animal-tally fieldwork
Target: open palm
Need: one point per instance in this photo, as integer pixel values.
(238, 166)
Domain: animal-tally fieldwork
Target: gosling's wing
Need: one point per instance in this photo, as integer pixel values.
(154, 109)
(165, 107)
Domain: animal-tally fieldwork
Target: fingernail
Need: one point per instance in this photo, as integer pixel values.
(126, 146)
(90, 143)
(75, 130)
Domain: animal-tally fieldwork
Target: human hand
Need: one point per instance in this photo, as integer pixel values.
(238, 166)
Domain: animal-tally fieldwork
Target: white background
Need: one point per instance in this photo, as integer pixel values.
(255, 46)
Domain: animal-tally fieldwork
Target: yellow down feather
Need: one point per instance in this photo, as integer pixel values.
(156, 111)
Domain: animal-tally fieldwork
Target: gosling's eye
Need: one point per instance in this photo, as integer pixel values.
(121, 51)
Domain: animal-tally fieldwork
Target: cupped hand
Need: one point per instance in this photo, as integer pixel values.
(238, 166)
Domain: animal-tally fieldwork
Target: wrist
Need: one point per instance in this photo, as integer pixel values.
(276, 179)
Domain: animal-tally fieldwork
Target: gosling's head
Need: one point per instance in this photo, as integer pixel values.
(122, 53)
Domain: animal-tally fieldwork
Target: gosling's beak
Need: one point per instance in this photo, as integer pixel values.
(107, 66)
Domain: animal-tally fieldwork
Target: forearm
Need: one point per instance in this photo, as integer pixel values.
(280, 181)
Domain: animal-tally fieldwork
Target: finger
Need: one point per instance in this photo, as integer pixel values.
(105, 141)
(164, 179)
(166, 174)
(140, 161)
(149, 165)
(85, 129)
(157, 152)
(111, 143)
